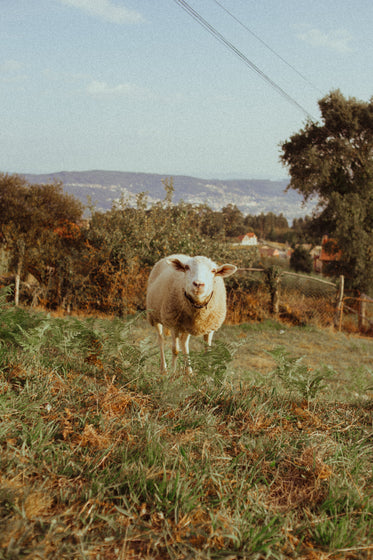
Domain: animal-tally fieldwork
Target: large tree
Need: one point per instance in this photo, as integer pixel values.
(333, 160)
(32, 220)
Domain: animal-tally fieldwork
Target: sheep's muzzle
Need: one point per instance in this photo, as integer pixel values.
(198, 305)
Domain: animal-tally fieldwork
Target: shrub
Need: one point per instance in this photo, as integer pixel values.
(301, 260)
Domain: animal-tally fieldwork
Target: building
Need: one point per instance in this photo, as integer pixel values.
(248, 239)
(266, 251)
(329, 253)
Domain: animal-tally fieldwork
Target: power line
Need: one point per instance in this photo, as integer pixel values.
(215, 33)
(267, 46)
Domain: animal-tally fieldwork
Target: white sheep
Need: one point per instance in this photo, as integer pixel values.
(187, 296)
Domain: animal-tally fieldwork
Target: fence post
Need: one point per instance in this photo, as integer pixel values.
(273, 276)
(362, 316)
(340, 317)
(339, 310)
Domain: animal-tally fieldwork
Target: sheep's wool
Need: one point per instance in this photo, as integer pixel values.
(167, 304)
(186, 295)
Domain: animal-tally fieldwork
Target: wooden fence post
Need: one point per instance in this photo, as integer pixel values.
(362, 315)
(273, 277)
(339, 309)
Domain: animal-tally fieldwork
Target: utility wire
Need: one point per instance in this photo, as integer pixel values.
(197, 17)
(267, 46)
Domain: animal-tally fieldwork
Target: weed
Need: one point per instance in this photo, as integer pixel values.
(297, 376)
(213, 363)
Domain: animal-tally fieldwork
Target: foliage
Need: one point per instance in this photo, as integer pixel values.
(38, 225)
(301, 260)
(302, 231)
(145, 234)
(269, 226)
(233, 221)
(103, 264)
(334, 162)
(295, 375)
(124, 243)
(103, 458)
(213, 363)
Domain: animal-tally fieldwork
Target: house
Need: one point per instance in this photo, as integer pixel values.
(266, 251)
(329, 253)
(285, 253)
(248, 239)
(316, 254)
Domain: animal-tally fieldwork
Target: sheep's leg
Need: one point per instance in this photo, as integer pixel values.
(159, 328)
(208, 338)
(184, 340)
(175, 348)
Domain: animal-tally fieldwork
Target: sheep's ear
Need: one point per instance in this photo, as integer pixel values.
(225, 270)
(178, 265)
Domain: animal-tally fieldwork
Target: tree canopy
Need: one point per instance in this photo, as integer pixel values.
(333, 160)
(33, 222)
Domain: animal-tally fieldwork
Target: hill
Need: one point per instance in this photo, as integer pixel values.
(252, 196)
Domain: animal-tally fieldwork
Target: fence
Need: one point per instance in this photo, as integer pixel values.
(309, 300)
(256, 294)
(356, 315)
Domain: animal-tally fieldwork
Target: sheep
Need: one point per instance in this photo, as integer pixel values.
(187, 296)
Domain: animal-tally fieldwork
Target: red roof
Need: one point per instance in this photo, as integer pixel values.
(251, 234)
(329, 250)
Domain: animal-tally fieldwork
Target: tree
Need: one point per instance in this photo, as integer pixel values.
(29, 216)
(333, 161)
(301, 260)
(210, 222)
(233, 220)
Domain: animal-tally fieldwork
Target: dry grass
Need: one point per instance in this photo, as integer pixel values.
(348, 355)
(102, 458)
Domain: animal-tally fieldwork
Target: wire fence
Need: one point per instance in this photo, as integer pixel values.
(297, 299)
(356, 315)
(308, 299)
(256, 294)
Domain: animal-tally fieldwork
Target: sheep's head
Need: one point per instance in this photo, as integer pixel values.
(200, 274)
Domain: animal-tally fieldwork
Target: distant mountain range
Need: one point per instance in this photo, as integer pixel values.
(252, 196)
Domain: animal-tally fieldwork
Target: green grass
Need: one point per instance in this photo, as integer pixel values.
(104, 458)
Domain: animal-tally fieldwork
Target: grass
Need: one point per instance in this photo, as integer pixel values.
(104, 458)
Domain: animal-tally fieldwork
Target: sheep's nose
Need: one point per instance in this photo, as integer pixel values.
(198, 284)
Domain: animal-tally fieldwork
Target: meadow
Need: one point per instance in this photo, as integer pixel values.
(264, 452)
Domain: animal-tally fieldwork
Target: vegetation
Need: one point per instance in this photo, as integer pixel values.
(301, 260)
(34, 221)
(334, 161)
(103, 264)
(263, 453)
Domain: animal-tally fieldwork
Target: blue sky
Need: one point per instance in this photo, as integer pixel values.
(138, 85)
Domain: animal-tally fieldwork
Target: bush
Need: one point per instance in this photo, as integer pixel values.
(301, 260)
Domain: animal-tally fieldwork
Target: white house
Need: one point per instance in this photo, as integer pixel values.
(248, 239)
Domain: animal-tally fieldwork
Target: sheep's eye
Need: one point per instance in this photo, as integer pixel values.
(186, 267)
(213, 271)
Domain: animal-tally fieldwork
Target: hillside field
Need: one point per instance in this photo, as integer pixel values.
(264, 452)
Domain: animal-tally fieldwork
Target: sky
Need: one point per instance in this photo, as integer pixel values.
(141, 86)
